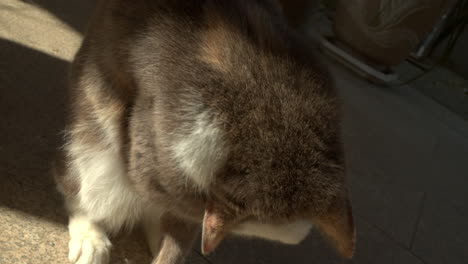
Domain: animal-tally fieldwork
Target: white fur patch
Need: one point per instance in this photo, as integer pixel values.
(292, 233)
(105, 194)
(88, 243)
(202, 152)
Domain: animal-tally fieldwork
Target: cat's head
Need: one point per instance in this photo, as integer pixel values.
(282, 176)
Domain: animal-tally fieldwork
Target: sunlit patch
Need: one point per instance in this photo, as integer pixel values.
(32, 237)
(292, 233)
(38, 29)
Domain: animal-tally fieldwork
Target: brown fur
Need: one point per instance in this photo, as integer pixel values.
(144, 64)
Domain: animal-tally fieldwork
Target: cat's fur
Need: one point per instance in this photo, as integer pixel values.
(200, 112)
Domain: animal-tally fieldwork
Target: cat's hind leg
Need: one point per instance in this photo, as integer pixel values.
(151, 222)
(177, 238)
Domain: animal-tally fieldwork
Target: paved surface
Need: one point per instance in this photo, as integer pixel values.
(407, 160)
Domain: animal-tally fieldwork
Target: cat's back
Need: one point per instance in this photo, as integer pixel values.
(231, 77)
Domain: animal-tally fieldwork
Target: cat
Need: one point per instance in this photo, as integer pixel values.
(201, 113)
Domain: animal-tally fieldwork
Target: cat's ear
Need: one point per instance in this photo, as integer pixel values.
(213, 230)
(337, 225)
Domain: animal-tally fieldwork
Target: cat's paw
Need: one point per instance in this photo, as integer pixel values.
(88, 243)
(89, 250)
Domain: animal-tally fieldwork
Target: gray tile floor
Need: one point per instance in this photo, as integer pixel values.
(407, 164)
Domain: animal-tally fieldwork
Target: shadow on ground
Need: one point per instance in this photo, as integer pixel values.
(33, 97)
(32, 102)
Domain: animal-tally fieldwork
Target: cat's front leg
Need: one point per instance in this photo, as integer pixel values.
(177, 240)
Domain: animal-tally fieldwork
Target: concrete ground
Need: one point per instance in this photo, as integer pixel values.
(407, 160)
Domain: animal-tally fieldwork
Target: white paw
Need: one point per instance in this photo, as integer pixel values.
(89, 250)
(88, 243)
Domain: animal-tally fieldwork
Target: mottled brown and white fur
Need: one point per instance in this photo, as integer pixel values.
(200, 113)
